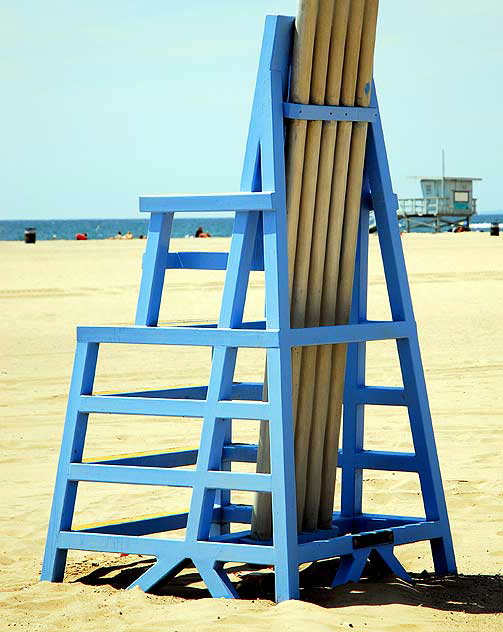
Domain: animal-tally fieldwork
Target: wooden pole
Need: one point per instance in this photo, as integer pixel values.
(347, 262)
(301, 289)
(305, 420)
(300, 83)
(331, 267)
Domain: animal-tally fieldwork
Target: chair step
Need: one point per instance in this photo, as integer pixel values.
(133, 475)
(164, 407)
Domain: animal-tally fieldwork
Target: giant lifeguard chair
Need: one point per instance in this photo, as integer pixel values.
(258, 243)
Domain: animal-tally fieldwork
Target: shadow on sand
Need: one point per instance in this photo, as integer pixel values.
(473, 594)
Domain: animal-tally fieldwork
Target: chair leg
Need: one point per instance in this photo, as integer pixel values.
(351, 567)
(163, 568)
(154, 269)
(284, 509)
(216, 579)
(72, 447)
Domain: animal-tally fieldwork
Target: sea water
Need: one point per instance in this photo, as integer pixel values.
(13, 230)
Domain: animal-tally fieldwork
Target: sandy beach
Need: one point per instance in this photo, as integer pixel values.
(50, 287)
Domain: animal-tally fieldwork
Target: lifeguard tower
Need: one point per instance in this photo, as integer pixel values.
(446, 203)
(211, 524)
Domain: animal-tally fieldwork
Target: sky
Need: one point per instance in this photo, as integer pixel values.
(103, 101)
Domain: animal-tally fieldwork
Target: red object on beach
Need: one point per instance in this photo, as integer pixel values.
(81, 236)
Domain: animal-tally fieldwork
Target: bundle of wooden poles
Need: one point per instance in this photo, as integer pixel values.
(332, 65)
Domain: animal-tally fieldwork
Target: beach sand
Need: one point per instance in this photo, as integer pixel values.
(49, 288)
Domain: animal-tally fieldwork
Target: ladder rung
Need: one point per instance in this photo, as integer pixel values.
(359, 332)
(247, 391)
(237, 452)
(241, 452)
(138, 525)
(133, 475)
(379, 396)
(174, 458)
(157, 523)
(181, 336)
(250, 553)
(324, 549)
(204, 261)
(232, 409)
(380, 460)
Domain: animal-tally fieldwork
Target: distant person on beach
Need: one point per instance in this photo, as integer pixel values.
(118, 236)
(461, 229)
(200, 233)
(128, 235)
(81, 236)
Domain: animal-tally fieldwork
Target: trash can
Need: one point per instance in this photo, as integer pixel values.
(495, 229)
(30, 235)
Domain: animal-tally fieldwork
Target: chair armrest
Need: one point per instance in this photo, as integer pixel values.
(260, 201)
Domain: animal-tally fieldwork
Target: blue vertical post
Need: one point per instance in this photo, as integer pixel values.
(72, 446)
(284, 510)
(154, 269)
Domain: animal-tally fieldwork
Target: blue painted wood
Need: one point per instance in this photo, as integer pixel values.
(379, 460)
(259, 242)
(170, 522)
(355, 332)
(154, 266)
(380, 395)
(162, 459)
(351, 567)
(110, 404)
(387, 555)
(143, 526)
(133, 475)
(165, 567)
(225, 552)
(329, 113)
(206, 261)
(185, 392)
(371, 522)
(72, 446)
(215, 578)
(343, 545)
(240, 390)
(183, 336)
(238, 337)
(243, 201)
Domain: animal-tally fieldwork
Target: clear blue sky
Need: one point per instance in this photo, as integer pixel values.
(105, 100)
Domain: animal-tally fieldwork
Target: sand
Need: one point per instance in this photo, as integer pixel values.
(49, 288)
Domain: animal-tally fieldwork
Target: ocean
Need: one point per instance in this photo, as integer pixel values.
(47, 229)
